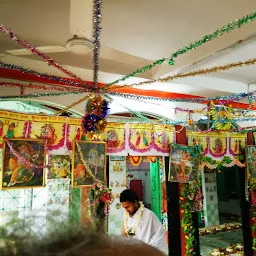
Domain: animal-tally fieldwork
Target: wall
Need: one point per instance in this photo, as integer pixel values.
(117, 182)
(211, 208)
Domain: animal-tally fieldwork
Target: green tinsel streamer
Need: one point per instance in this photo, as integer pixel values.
(207, 38)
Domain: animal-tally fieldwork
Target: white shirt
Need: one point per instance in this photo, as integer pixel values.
(150, 230)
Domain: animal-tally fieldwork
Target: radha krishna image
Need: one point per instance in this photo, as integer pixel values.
(23, 164)
(89, 163)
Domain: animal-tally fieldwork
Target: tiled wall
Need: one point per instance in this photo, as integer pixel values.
(117, 182)
(211, 209)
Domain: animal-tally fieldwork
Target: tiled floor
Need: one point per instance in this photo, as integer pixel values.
(222, 239)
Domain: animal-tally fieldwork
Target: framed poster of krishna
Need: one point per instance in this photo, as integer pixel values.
(184, 164)
(88, 163)
(23, 164)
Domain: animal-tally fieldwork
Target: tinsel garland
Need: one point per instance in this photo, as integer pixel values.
(190, 74)
(38, 95)
(72, 105)
(234, 97)
(42, 87)
(207, 38)
(35, 51)
(88, 171)
(24, 160)
(44, 76)
(96, 41)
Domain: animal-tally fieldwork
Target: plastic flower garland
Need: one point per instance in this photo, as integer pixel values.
(96, 111)
(226, 115)
(188, 199)
(99, 195)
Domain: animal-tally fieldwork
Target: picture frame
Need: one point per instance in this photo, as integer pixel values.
(183, 167)
(23, 164)
(91, 154)
(60, 166)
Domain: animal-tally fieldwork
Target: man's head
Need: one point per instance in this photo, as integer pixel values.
(129, 201)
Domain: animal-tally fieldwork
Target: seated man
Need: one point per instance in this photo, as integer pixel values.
(140, 222)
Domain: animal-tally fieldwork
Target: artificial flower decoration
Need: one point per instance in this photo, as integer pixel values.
(100, 195)
(96, 111)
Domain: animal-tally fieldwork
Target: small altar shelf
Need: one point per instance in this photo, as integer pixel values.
(219, 228)
(234, 250)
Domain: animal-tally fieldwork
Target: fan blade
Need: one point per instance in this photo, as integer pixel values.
(44, 49)
(121, 57)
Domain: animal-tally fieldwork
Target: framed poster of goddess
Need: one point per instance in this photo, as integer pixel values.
(23, 164)
(183, 166)
(88, 163)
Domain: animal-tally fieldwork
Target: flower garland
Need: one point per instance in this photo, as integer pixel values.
(99, 194)
(139, 214)
(218, 164)
(186, 202)
(88, 172)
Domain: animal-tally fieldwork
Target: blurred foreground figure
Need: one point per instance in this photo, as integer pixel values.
(80, 245)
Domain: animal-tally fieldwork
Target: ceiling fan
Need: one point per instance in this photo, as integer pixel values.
(81, 26)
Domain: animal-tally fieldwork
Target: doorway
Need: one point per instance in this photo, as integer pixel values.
(222, 225)
(143, 176)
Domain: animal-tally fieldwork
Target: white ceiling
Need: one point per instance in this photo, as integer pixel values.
(135, 33)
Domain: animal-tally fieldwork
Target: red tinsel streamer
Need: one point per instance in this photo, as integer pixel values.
(35, 51)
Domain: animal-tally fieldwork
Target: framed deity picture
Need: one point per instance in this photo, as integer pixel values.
(60, 166)
(88, 163)
(23, 164)
(183, 165)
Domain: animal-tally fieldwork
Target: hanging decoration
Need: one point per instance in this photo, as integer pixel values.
(135, 160)
(219, 164)
(35, 51)
(42, 87)
(187, 195)
(96, 41)
(207, 38)
(225, 115)
(88, 172)
(96, 111)
(188, 74)
(251, 186)
(39, 75)
(99, 194)
(22, 159)
(45, 94)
